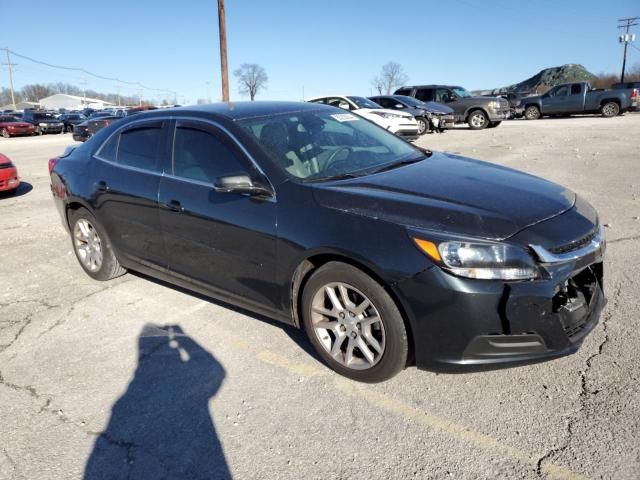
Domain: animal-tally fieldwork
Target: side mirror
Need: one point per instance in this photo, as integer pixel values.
(241, 184)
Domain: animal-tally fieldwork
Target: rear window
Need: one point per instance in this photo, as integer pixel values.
(140, 148)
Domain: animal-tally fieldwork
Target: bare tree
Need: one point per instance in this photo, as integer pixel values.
(391, 77)
(251, 79)
(35, 92)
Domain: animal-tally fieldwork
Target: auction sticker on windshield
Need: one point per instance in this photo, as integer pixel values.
(344, 117)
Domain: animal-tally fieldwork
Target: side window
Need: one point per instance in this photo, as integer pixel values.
(576, 89)
(424, 94)
(109, 149)
(442, 95)
(139, 147)
(320, 100)
(403, 91)
(384, 102)
(203, 156)
(561, 91)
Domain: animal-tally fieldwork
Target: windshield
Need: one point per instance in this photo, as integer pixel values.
(321, 144)
(362, 102)
(8, 119)
(43, 116)
(413, 102)
(461, 92)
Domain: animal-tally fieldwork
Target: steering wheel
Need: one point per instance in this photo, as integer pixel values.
(334, 155)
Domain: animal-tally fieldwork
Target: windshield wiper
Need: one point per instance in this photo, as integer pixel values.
(400, 163)
(339, 176)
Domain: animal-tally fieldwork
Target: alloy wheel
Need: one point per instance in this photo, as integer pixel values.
(348, 326)
(610, 110)
(478, 120)
(88, 245)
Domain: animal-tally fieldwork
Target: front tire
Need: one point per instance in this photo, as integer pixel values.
(532, 113)
(5, 133)
(423, 126)
(477, 120)
(92, 247)
(610, 109)
(353, 323)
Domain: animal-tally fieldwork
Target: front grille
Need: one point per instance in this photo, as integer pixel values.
(575, 245)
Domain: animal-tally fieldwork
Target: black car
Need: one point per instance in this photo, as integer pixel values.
(432, 116)
(70, 120)
(45, 122)
(386, 254)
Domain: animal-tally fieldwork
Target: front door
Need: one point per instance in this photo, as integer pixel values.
(224, 241)
(556, 100)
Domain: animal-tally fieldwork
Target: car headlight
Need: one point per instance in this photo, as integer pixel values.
(387, 115)
(42, 124)
(487, 261)
(495, 105)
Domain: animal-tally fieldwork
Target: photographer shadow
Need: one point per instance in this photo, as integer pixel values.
(161, 426)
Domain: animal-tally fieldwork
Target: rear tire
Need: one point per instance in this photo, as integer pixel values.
(610, 109)
(493, 124)
(532, 113)
(477, 120)
(92, 246)
(5, 133)
(353, 323)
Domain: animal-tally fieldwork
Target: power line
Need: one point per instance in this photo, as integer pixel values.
(86, 72)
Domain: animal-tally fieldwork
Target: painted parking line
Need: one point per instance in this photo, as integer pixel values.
(383, 402)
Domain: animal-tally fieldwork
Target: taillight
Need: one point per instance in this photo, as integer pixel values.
(52, 163)
(634, 93)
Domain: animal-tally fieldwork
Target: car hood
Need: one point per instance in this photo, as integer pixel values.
(450, 194)
(385, 110)
(15, 124)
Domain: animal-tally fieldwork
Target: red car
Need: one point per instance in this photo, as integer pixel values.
(9, 180)
(11, 126)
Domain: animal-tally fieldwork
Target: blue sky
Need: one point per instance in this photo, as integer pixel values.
(319, 46)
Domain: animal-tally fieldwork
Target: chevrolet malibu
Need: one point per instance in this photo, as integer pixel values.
(388, 255)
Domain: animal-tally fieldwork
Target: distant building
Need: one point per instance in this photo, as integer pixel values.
(20, 106)
(71, 102)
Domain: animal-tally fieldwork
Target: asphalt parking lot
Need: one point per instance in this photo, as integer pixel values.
(135, 379)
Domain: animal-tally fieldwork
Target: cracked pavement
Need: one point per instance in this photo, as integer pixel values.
(135, 379)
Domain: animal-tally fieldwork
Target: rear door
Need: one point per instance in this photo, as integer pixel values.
(127, 176)
(224, 241)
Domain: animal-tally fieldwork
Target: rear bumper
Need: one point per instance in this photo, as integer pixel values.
(460, 325)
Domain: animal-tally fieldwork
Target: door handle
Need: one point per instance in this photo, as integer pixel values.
(102, 186)
(174, 206)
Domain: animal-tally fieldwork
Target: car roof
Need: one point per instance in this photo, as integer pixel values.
(428, 86)
(237, 110)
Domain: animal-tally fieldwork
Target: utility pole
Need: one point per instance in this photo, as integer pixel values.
(626, 24)
(10, 65)
(223, 51)
(118, 88)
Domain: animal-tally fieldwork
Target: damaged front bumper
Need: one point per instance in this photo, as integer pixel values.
(460, 324)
